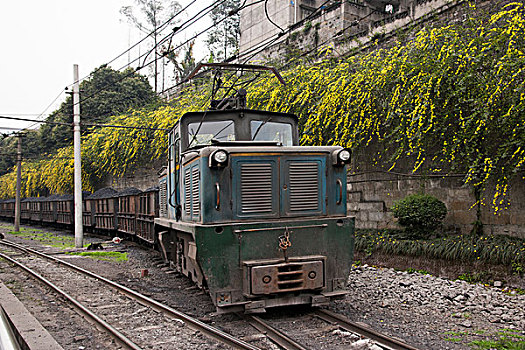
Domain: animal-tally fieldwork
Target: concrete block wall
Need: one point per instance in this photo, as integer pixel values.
(254, 25)
(142, 179)
(372, 195)
(256, 29)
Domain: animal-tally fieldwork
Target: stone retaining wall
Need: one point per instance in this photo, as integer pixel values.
(372, 194)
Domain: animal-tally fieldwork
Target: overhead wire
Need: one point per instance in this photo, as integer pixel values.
(165, 39)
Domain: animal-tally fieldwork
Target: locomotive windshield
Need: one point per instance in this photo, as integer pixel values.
(271, 131)
(202, 133)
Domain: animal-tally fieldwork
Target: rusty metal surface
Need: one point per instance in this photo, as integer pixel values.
(287, 277)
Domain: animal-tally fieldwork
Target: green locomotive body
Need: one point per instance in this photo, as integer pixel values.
(247, 213)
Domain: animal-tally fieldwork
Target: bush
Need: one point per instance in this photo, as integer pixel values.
(419, 212)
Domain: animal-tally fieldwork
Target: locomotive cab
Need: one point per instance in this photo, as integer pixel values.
(251, 215)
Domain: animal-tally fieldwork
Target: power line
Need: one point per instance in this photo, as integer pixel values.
(33, 120)
(85, 124)
(157, 29)
(124, 127)
(233, 12)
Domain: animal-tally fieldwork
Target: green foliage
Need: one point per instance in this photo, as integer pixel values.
(517, 268)
(419, 213)
(412, 270)
(452, 99)
(475, 277)
(184, 66)
(106, 256)
(489, 249)
(507, 339)
(105, 93)
(307, 27)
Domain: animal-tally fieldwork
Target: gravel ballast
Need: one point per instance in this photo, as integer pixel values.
(430, 312)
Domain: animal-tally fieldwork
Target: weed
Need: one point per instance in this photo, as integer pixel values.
(454, 340)
(47, 238)
(517, 268)
(489, 249)
(456, 334)
(423, 272)
(474, 277)
(505, 339)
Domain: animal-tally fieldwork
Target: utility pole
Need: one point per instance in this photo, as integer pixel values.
(79, 234)
(18, 182)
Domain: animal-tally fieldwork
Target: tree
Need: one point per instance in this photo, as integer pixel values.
(223, 39)
(154, 14)
(186, 65)
(105, 93)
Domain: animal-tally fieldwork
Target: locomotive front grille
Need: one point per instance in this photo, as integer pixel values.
(256, 188)
(286, 277)
(304, 186)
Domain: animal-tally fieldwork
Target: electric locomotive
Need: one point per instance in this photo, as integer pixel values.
(252, 216)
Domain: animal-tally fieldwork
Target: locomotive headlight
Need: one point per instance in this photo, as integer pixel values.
(341, 157)
(219, 158)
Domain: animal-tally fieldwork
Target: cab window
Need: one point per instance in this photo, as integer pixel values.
(271, 131)
(203, 133)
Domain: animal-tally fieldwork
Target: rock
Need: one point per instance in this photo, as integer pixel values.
(363, 344)
(498, 284)
(460, 298)
(466, 324)
(79, 338)
(494, 319)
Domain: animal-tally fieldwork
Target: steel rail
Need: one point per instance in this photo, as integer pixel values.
(275, 335)
(210, 331)
(121, 338)
(346, 324)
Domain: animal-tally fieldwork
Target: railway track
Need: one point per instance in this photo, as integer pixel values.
(337, 321)
(266, 327)
(159, 317)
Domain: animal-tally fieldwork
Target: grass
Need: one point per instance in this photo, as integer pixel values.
(106, 256)
(498, 249)
(505, 339)
(47, 238)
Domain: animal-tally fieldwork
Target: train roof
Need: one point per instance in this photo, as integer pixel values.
(151, 189)
(65, 197)
(130, 191)
(106, 192)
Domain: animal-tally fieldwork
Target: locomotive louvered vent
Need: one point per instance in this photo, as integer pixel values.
(163, 198)
(256, 188)
(187, 192)
(195, 200)
(290, 278)
(304, 186)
